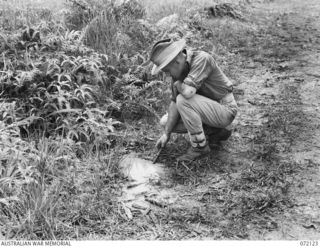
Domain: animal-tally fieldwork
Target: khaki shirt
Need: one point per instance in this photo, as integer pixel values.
(206, 76)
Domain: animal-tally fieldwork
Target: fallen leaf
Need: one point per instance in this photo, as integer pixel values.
(140, 205)
(127, 211)
(156, 202)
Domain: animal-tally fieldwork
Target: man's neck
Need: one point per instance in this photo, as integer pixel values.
(185, 71)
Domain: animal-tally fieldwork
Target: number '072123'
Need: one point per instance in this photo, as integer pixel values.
(309, 243)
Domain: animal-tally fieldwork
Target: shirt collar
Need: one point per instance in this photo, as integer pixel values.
(189, 56)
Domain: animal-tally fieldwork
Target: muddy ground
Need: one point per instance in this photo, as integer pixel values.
(263, 183)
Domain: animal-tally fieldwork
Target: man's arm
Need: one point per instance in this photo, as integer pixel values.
(173, 117)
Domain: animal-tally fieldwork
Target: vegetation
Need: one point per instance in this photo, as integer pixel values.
(77, 94)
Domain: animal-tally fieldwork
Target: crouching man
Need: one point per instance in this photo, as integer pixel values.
(202, 103)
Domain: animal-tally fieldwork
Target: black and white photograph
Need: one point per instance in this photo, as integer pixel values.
(160, 121)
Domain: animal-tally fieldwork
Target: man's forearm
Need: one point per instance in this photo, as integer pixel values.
(173, 117)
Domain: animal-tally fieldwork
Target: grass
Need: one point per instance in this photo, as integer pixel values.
(18, 13)
(117, 30)
(59, 182)
(158, 10)
(164, 8)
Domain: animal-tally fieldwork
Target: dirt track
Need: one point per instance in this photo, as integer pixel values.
(292, 89)
(302, 220)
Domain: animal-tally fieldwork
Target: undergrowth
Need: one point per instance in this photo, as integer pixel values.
(77, 94)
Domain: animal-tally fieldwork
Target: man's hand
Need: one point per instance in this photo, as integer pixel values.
(163, 140)
(185, 90)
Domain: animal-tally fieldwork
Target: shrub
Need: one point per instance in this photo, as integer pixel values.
(109, 27)
(83, 11)
(15, 14)
(55, 85)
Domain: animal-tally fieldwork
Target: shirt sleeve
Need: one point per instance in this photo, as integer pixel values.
(201, 67)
